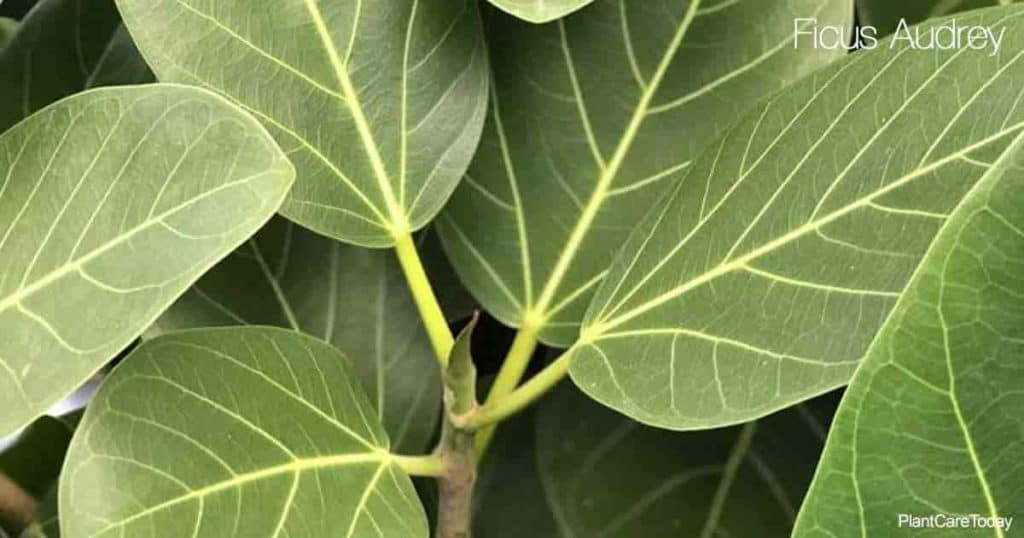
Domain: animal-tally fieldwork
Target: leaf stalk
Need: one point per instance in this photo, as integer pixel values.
(431, 465)
(426, 301)
(511, 374)
(520, 398)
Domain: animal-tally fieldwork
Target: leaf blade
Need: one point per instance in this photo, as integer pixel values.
(83, 193)
(539, 11)
(368, 103)
(354, 298)
(60, 50)
(833, 225)
(327, 445)
(741, 481)
(940, 380)
(586, 129)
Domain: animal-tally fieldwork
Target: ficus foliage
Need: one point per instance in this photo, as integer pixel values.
(309, 255)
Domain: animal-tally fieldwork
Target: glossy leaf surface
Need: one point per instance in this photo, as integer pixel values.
(379, 103)
(931, 423)
(112, 203)
(763, 277)
(241, 431)
(592, 117)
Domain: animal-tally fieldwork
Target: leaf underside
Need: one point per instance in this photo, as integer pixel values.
(591, 118)
(379, 104)
(112, 203)
(539, 11)
(353, 298)
(763, 277)
(243, 431)
(931, 422)
(64, 47)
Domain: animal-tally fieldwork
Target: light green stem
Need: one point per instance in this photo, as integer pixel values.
(511, 373)
(519, 399)
(420, 465)
(430, 311)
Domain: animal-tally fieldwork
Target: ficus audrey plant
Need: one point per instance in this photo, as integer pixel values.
(559, 268)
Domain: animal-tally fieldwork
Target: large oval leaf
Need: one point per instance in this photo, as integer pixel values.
(931, 422)
(591, 117)
(234, 432)
(539, 11)
(112, 203)
(64, 47)
(379, 103)
(762, 278)
(351, 297)
(741, 481)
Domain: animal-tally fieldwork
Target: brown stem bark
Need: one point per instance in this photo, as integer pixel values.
(16, 505)
(455, 485)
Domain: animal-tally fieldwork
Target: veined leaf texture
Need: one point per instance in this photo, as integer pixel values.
(378, 103)
(113, 202)
(592, 116)
(763, 277)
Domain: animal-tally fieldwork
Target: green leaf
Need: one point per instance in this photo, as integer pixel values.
(15, 9)
(539, 11)
(7, 29)
(886, 14)
(352, 297)
(592, 117)
(48, 525)
(63, 48)
(242, 431)
(112, 203)
(931, 422)
(510, 501)
(740, 481)
(762, 278)
(379, 106)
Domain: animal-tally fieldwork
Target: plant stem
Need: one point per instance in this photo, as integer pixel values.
(455, 485)
(426, 302)
(520, 398)
(16, 505)
(511, 373)
(431, 465)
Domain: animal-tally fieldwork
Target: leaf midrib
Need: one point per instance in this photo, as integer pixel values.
(26, 291)
(595, 331)
(399, 224)
(610, 172)
(296, 466)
